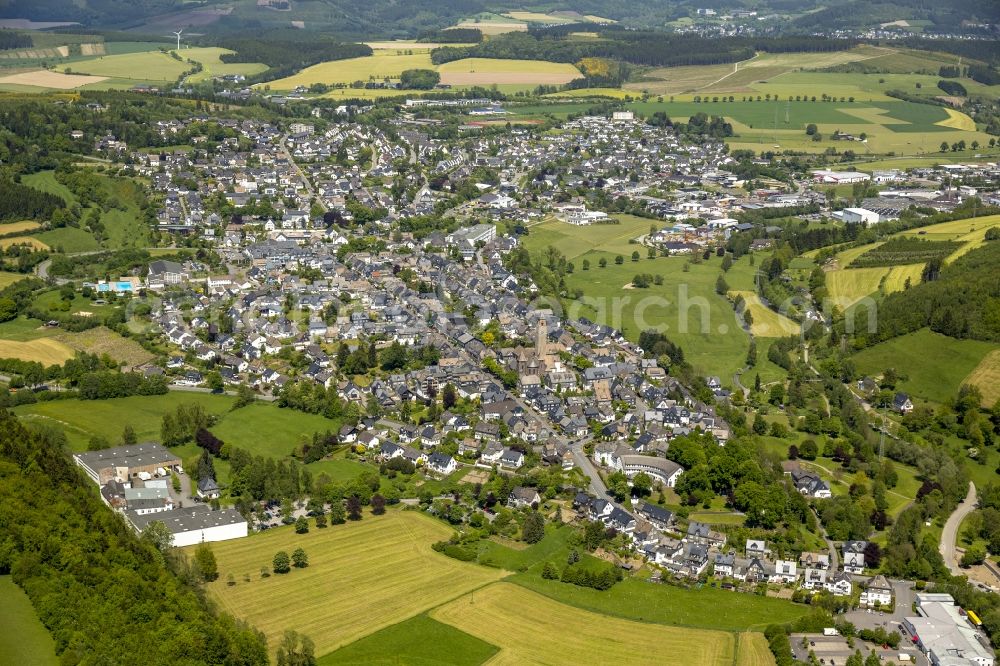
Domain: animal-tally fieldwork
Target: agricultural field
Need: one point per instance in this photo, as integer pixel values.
(24, 639)
(640, 600)
(389, 64)
(102, 340)
(381, 562)
(496, 614)
(494, 27)
(44, 350)
(213, 66)
(766, 322)
(905, 250)
(752, 650)
(147, 66)
(489, 71)
(44, 79)
(970, 233)
(7, 279)
(68, 239)
(419, 640)
(381, 65)
(23, 240)
(694, 316)
(933, 376)
(18, 227)
(986, 376)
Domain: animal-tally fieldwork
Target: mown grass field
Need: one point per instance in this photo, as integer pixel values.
(361, 577)
(68, 239)
(497, 614)
(933, 365)
(24, 639)
(145, 66)
(752, 650)
(262, 428)
(46, 182)
(44, 350)
(639, 600)
(766, 322)
(7, 279)
(419, 640)
(986, 376)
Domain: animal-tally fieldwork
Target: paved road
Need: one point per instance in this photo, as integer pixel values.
(305, 179)
(597, 486)
(949, 535)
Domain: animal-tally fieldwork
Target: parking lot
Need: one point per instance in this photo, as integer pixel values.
(834, 650)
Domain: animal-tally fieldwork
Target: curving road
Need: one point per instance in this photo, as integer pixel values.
(949, 535)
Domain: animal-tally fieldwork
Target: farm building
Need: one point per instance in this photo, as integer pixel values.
(126, 462)
(194, 524)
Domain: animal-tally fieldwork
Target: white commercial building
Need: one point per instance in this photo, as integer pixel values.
(192, 525)
(946, 635)
(859, 216)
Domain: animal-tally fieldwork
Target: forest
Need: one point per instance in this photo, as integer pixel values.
(20, 202)
(961, 300)
(14, 40)
(635, 47)
(101, 590)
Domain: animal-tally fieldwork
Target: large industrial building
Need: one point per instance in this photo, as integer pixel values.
(192, 525)
(947, 634)
(123, 463)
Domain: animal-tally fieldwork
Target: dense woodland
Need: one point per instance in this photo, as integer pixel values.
(635, 47)
(20, 202)
(14, 40)
(287, 53)
(99, 588)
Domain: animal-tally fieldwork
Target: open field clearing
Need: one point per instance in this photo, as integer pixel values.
(380, 66)
(7, 279)
(574, 241)
(672, 80)
(68, 239)
(46, 79)
(958, 120)
(23, 240)
(766, 322)
(752, 650)
(494, 27)
(847, 286)
(381, 562)
(487, 71)
(931, 365)
(24, 639)
(18, 227)
(419, 640)
(148, 66)
(46, 182)
(45, 351)
(102, 340)
(213, 66)
(615, 93)
(268, 430)
(496, 614)
(986, 376)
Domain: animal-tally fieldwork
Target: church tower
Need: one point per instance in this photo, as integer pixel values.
(542, 341)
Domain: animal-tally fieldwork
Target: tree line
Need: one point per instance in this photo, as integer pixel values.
(98, 588)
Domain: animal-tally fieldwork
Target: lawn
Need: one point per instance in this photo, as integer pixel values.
(340, 470)
(643, 601)
(530, 628)
(362, 577)
(555, 545)
(933, 376)
(24, 639)
(419, 640)
(268, 430)
(23, 329)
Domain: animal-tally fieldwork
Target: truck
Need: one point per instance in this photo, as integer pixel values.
(903, 656)
(829, 631)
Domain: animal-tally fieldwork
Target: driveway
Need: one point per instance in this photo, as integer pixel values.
(949, 535)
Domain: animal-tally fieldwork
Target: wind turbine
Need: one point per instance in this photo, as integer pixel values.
(178, 33)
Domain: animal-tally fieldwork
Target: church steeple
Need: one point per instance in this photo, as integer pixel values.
(542, 340)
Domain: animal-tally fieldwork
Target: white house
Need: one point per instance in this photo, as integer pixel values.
(441, 463)
(878, 591)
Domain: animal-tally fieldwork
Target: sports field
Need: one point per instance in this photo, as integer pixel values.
(932, 366)
(24, 639)
(499, 614)
(986, 376)
(361, 577)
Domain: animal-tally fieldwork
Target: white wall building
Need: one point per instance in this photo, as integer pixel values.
(193, 525)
